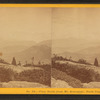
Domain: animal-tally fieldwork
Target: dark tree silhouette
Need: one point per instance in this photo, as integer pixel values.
(14, 61)
(39, 63)
(32, 60)
(96, 62)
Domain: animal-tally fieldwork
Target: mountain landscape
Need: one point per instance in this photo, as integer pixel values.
(25, 47)
(46, 43)
(28, 63)
(40, 51)
(77, 49)
(15, 46)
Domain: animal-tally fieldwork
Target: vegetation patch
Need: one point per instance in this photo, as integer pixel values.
(59, 75)
(7, 74)
(41, 74)
(82, 72)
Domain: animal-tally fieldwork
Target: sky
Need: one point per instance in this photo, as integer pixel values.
(37, 24)
(31, 24)
(83, 23)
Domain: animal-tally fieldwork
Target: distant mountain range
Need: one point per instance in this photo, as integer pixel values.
(72, 45)
(40, 51)
(46, 42)
(15, 46)
(77, 49)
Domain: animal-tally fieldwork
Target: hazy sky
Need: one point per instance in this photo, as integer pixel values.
(76, 22)
(35, 23)
(25, 24)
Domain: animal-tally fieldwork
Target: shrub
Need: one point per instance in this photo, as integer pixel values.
(82, 61)
(40, 76)
(6, 74)
(2, 61)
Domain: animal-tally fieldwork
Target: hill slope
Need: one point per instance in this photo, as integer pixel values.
(88, 54)
(15, 46)
(40, 53)
(71, 45)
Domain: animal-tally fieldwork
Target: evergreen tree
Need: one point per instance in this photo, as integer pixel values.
(14, 61)
(96, 62)
(32, 60)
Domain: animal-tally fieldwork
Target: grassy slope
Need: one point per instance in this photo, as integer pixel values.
(82, 72)
(59, 75)
(19, 73)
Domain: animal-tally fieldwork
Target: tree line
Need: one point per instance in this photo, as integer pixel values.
(81, 61)
(26, 63)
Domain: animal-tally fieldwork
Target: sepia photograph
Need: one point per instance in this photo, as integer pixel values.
(25, 47)
(49, 47)
(76, 47)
